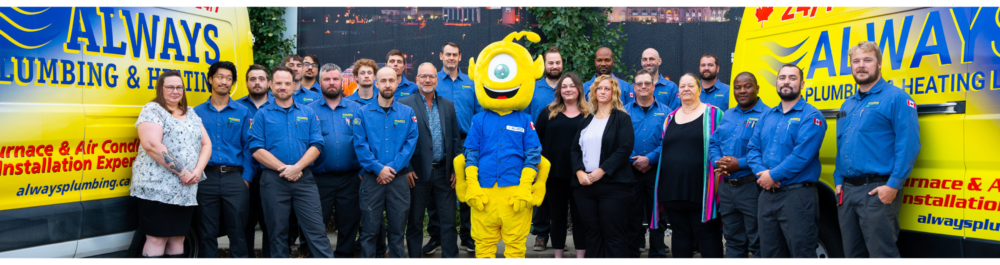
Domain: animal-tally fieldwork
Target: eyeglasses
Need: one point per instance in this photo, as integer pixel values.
(173, 88)
(643, 84)
(310, 65)
(224, 78)
(426, 76)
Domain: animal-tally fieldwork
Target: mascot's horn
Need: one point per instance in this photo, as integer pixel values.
(533, 37)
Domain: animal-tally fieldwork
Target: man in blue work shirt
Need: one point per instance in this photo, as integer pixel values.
(728, 150)
(873, 164)
(257, 88)
(364, 74)
(396, 61)
(309, 87)
(784, 154)
(285, 138)
(545, 93)
(460, 89)
(665, 91)
(604, 62)
(648, 115)
(224, 195)
(715, 92)
(385, 134)
(336, 168)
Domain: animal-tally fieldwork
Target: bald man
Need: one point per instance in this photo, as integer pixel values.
(604, 62)
(665, 91)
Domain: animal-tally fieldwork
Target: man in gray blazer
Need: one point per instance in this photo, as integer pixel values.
(433, 176)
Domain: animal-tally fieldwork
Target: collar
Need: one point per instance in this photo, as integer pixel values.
(270, 98)
(461, 76)
(300, 91)
(229, 105)
(403, 81)
(635, 104)
(798, 106)
(758, 107)
(662, 81)
(877, 88)
(711, 89)
(295, 105)
(341, 104)
(315, 85)
(374, 106)
(542, 83)
(424, 98)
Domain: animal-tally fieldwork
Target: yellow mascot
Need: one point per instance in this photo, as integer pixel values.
(502, 173)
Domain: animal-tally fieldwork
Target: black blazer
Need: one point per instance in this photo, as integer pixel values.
(616, 146)
(423, 155)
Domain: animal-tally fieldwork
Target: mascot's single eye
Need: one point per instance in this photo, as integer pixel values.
(502, 68)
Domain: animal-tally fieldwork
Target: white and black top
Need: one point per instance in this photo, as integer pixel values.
(590, 143)
(152, 181)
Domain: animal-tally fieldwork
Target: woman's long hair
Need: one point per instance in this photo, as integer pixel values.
(161, 96)
(559, 105)
(616, 94)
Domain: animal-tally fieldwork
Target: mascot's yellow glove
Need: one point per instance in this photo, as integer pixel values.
(474, 195)
(538, 188)
(522, 196)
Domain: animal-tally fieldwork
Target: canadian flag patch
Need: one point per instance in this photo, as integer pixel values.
(817, 122)
(414, 118)
(631, 95)
(910, 103)
(532, 124)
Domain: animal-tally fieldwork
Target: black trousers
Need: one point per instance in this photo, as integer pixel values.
(688, 230)
(604, 209)
(391, 202)
(540, 225)
(738, 211)
(642, 208)
(256, 216)
(788, 223)
(222, 198)
(340, 190)
(439, 188)
(869, 227)
(279, 196)
(559, 194)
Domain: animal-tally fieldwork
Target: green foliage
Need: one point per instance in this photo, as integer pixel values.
(270, 45)
(578, 32)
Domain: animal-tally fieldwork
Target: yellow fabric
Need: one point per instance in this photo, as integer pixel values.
(522, 196)
(499, 220)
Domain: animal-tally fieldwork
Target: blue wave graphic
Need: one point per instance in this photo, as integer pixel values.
(782, 51)
(776, 64)
(32, 27)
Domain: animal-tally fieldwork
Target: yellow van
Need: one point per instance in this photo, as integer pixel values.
(948, 60)
(72, 82)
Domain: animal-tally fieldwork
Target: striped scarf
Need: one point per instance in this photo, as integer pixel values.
(710, 196)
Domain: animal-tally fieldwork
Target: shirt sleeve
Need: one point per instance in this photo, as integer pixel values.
(149, 113)
(907, 141)
(838, 170)
(315, 131)
(402, 158)
(754, 158)
(808, 140)
(674, 101)
(620, 155)
(248, 166)
(256, 132)
(715, 145)
(472, 143)
(361, 148)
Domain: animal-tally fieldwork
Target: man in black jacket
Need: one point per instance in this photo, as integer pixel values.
(433, 173)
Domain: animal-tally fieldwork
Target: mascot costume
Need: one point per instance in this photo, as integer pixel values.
(502, 174)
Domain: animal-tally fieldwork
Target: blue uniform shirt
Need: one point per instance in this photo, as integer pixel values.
(788, 144)
(627, 93)
(357, 98)
(404, 89)
(717, 95)
(733, 135)
(338, 135)
(501, 146)
(227, 129)
(648, 128)
(305, 96)
(544, 95)
(666, 92)
(384, 139)
(461, 91)
(316, 89)
(889, 136)
(248, 103)
(286, 133)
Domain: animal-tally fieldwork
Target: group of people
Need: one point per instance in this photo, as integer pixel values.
(642, 155)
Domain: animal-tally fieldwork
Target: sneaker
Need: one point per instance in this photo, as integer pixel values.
(540, 244)
(431, 247)
(470, 246)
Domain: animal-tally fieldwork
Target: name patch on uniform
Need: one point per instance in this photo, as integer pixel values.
(466, 87)
(301, 118)
(307, 99)
(662, 93)
(346, 115)
(794, 119)
(719, 95)
(398, 122)
(234, 120)
(404, 93)
(658, 114)
(873, 103)
(516, 129)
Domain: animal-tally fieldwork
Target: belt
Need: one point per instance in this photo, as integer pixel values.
(224, 169)
(437, 165)
(742, 180)
(866, 179)
(792, 187)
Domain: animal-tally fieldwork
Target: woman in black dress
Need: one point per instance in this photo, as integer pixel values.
(555, 126)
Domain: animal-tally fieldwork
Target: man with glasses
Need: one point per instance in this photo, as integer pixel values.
(665, 91)
(648, 115)
(310, 81)
(224, 196)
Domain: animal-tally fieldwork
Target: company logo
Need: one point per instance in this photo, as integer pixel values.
(357, 121)
(959, 224)
(300, 118)
(400, 121)
(516, 129)
(346, 115)
(31, 27)
(532, 125)
(414, 118)
(234, 120)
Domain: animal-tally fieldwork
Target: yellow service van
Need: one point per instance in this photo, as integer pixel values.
(948, 60)
(72, 82)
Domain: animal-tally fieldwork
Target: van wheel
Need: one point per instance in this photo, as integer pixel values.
(191, 244)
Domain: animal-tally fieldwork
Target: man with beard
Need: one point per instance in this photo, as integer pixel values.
(784, 153)
(336, 168)
(385, 134)
(604, 62)
(309, 90)
(715, 92)
(433, 176)
(224, 196)
(257, 89)
(728, 150)
(364, 74)
(286, 139)
(294, 62)
(648, 115)
(865, 175)
(460, 89)
(545, 93)
(396, 61)
(665, 91)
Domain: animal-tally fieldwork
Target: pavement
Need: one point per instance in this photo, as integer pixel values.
(547, 253)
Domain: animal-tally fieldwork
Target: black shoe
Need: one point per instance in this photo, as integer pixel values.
(540, 244)
(431, 247)
(470, 246)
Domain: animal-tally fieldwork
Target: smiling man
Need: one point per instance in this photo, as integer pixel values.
(604, 62)
(714, 92)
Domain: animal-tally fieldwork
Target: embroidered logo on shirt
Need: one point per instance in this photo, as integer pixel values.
(357, 121)
(662, 93)
(817, 122)
(307, 99)
(873, 103)
(719, 95)
(464, 87)
(414, 118)
(301, 118)
(516, 129)
(346, 115)
(658, 114)
(910, 103)
(234, 120)
(400, 121)
(794, 119)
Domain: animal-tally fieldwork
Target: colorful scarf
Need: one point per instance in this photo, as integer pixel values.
(710, 196)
